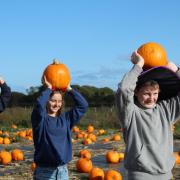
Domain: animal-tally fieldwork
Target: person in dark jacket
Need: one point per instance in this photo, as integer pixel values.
(5, 95)
(52, 132)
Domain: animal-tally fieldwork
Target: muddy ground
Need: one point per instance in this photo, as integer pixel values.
(22, 170)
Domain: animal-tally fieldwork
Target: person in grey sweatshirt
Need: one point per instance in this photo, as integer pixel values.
(148, 103)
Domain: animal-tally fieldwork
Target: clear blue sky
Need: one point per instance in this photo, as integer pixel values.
(94, 38)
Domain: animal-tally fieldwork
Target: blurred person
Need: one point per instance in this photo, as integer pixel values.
(5, 95)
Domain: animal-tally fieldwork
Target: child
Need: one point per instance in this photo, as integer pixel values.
(146, 110)
(5, 95)
(52, 132)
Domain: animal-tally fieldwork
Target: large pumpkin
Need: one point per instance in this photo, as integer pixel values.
(153, 54)
(58, 75)
(84, 165)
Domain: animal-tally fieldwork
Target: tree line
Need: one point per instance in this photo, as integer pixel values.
(96, 97)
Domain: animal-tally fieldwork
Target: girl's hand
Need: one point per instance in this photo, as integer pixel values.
(46, 83)
(136, 58)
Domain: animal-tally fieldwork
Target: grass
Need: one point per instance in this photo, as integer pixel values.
(101, 117)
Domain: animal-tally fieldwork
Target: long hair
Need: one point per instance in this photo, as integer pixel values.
(62, 94)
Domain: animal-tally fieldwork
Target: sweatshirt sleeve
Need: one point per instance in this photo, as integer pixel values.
(172, 105)
(178, 72)
(79, 109)
(125, 95)
(40, 107)
(5, 96)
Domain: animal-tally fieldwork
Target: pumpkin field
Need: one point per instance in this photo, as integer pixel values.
(96, 152)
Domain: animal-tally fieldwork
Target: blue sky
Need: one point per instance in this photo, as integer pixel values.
(93, 38)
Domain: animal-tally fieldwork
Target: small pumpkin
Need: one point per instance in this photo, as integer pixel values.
(33, 166)
(177, 157)
(85, 153)
(6, 140)
(154, 55)
(84, 165)
(87, 141)
(121, 156)
(112, 175)
(17, 155)
(5, 157)
(116, 137)
(58, 75)
(96, 174)
(112, 156)
(90, 128)
(104, 140)
(1, 140)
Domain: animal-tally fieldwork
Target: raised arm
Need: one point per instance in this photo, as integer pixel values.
(5, 94)
(125, 92)
(79, 108)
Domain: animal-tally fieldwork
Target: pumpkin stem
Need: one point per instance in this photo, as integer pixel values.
(56, 61)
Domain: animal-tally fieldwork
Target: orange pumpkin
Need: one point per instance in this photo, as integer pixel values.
(87, 141)
(177, 157)
(92, 137)
(58, 75)
(96, 174)
(1, 140)
(6, 140)
(33, 166)
(112, 175)
(84, 165)
(90, 128)
(17, 155)
(116, 137)
(75, 129)
(112, 156)
(153, 54)
(104, 140)
(121, 156)
(85, 153)
(5, 157)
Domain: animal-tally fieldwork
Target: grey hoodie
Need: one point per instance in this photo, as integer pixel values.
(147, 132)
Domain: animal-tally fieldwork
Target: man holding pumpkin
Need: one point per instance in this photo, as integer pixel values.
(5, 94)
(148, 103)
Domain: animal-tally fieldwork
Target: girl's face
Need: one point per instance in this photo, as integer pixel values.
(54, 104)
(147, 96)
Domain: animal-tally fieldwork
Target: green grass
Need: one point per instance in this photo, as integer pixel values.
(101, 117)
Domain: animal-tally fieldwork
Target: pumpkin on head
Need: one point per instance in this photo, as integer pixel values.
(58, 75)
(153, 54)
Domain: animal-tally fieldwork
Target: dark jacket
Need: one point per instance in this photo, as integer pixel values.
(52, 135)
(5, 96)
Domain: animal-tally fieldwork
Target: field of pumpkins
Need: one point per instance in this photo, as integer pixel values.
(97, 154)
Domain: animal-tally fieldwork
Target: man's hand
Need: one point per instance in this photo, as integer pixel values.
(172, 66)
(136, 58)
